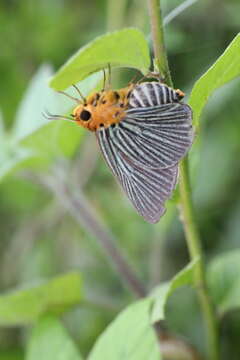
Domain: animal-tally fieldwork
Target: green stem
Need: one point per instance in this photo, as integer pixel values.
(195, 250)
(187, 211)
(158, 40)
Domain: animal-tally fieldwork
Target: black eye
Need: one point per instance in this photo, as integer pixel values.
(116, 94)
(85, 115)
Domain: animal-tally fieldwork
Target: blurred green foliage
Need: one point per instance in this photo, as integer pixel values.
(60, 345)
(40, 240)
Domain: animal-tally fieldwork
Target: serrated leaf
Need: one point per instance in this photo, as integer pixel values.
(124, 48)
(224, 282)
(50, 341)
(162, 293)
(130, 336)
(225, 69)
(24, 306)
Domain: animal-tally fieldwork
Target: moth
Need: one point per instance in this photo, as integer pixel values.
(143, 132)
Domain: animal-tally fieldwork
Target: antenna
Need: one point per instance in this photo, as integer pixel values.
(79, 92)
(50, 116)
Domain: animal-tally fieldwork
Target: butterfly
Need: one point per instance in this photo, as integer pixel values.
(143, 131)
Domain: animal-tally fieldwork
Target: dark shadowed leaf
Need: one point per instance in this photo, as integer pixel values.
(224, 281)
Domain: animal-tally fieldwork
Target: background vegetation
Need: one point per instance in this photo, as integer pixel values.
(40, 239)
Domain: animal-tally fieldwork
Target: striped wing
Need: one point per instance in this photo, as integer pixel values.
(150, 94)
(144, 149)
(154, 137)
(158, 128)
(147, 188)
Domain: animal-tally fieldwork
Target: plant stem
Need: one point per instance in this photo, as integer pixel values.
(187, 212)
(160, 54)
(195, 250)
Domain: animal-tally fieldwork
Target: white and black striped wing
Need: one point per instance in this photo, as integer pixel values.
(150, 94)
(155, 137)
(143, 150)
(147, 188)
(157, 128)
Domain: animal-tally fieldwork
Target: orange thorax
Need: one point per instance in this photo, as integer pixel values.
(103, 109)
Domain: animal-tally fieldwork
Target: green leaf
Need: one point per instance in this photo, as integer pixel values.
(162, 293)
(23, 306)
(225, 69)
(56, 139)
(12, 156)
(124, 48)
(35, 141)
(48, 139)
(36, 99)
(50, 341)
(39, 97)
(224, 282)
(2, 127)
(130, 336)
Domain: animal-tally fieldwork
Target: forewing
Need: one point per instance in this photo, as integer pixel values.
(154, 137)
(147, 188)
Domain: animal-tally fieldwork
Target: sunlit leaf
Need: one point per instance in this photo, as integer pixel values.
(50, 341)
(224, 282)
(225, 69)
(130, 336)
(35, 141)
(39, 97)
(124, 48)
(162, 293)
(48, 139)
(23, 306)
(54, 140)
(36, 99)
